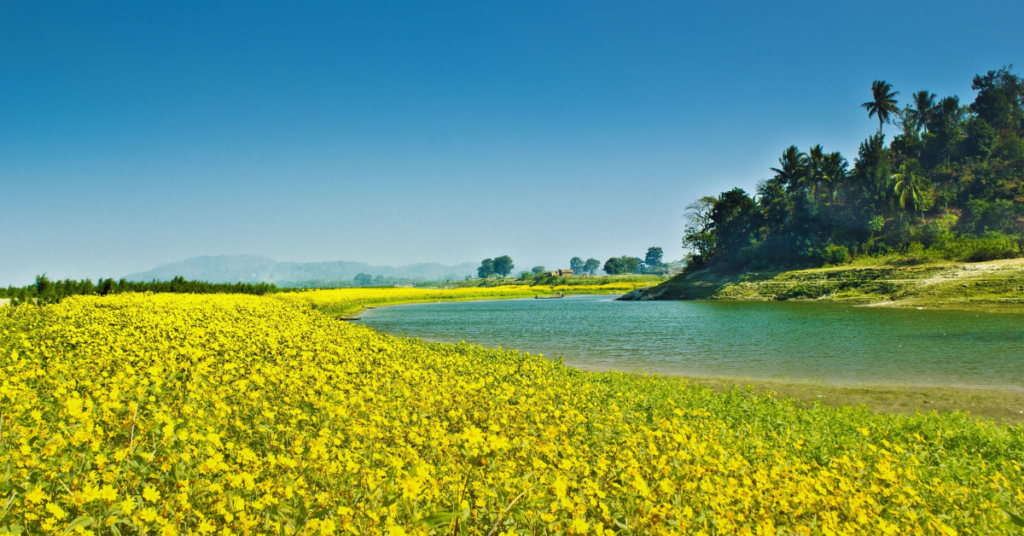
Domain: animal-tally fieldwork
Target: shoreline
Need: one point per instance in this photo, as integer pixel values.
(1002, 405)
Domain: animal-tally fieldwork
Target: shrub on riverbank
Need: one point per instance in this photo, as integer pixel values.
(177, 414)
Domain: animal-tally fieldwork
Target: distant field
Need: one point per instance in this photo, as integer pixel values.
(350, 300)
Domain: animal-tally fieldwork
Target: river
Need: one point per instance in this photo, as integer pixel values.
(759, 340)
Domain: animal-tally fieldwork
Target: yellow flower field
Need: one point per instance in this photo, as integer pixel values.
(348, 300)
(230, 414)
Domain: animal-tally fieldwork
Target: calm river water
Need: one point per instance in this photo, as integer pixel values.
(790, 341)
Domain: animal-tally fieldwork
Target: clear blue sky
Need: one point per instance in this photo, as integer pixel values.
(138, 133)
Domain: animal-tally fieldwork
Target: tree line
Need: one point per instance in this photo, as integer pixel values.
(950, 185)
(623, 265)
(46, 291)
(502, 266)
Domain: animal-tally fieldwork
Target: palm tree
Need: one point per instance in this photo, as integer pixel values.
(833, 173)
(793, 167)
(908, 189)
(815, 159)
(923, 104)
(883, 102)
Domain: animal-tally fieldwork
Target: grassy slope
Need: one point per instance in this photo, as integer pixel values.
(940, 284)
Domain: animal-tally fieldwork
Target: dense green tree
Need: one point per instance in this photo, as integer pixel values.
(698, 235)
(980, 139)
(503, 265)
(791, 170)
(882, 103)
(613, 266)
(872, 173)
(909, 188)
(813, 176)
(576, 265)
(1000, 100)
(924, 101)
(832, 174)
(486, 269)
(43, 284)
(622, 265)
(653, 257)
(537, 270)
(736, 216)
(591, 266)
(363, 280)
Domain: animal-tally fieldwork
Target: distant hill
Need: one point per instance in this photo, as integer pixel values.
(256, 269)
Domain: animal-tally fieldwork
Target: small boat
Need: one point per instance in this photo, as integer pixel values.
(560, 295)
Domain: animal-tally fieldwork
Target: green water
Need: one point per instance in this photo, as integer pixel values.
(790, 341)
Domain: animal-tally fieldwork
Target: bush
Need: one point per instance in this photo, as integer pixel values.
(991, 246)
(835, 254)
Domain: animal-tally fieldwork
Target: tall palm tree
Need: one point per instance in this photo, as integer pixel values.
(792, 168)
(882, 103)
(908, 189)
(815, 160)
(833, 173)
(923, 104)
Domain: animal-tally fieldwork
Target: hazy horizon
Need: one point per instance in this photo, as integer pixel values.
(138, 134)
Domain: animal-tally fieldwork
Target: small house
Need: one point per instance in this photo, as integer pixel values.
(561, 273)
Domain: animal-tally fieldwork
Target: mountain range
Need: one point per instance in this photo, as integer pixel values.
(257, 269)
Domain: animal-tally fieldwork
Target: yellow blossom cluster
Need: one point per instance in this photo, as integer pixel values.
(348, 300)
(182, 414)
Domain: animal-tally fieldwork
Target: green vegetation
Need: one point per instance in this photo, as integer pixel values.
(622, 265)
(626, 264)
(950, 187)
(46, 291)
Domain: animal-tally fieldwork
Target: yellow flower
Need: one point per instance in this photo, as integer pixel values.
(560, 487)
(410, 488)
(36, 496)
(396, 531)
(56, 511)
(150, 494)
(473, 435)
(280, 403)
(498, 443)
(108, 493)
(148, 515)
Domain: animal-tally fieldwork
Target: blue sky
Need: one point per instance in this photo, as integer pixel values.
(138, 133)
